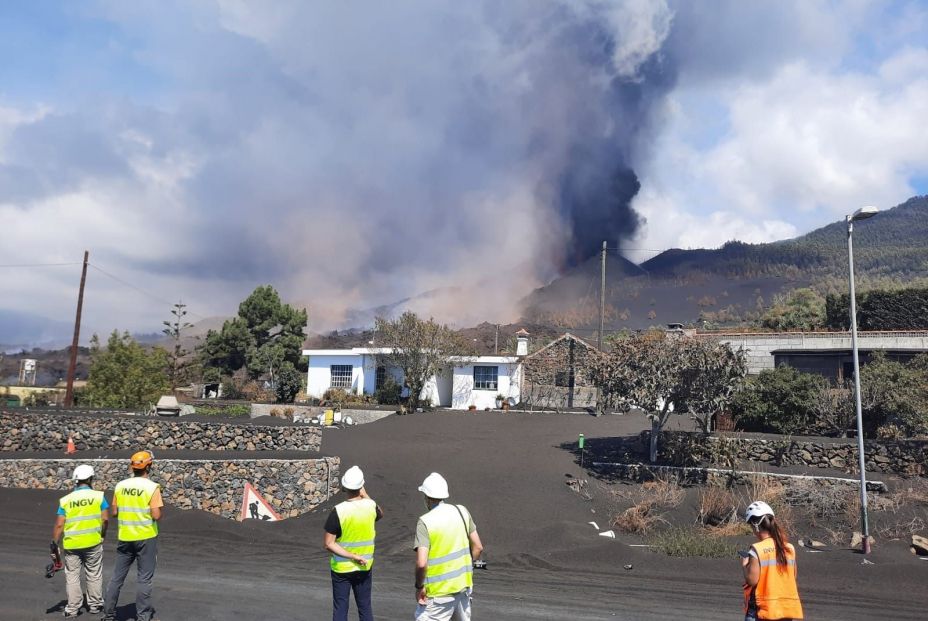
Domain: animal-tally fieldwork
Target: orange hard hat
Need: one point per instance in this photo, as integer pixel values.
(142, 460)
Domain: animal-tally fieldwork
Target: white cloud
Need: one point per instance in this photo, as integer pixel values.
(806, 147)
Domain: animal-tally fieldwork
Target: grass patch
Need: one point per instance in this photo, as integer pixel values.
(692, 542)
(238, 409)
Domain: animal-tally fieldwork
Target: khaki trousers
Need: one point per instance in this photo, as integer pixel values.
(450, 608)
(90, 560)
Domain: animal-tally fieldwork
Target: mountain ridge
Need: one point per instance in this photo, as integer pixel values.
(734, 283)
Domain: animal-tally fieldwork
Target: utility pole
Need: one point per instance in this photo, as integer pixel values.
(72, 365)
(602, 298)
(496, 342)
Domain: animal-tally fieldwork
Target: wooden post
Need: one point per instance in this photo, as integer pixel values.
(72, 364)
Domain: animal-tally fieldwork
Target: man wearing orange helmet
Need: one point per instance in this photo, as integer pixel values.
(137, 505)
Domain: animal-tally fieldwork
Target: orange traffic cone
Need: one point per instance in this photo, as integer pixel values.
(71, 448)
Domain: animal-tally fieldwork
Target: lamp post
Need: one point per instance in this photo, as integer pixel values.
(861, 214)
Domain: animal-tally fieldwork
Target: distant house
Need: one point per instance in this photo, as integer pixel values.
(466, 381)
(557, 375)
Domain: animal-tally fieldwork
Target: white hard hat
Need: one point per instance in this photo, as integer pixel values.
(353, 478)
(435, 486)
(757, 509)
(83, 472)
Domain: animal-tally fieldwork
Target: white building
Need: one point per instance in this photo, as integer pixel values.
(466, 381)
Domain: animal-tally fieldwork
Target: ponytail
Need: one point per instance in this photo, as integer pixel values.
(768, 524)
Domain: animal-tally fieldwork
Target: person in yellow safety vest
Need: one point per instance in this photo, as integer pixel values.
(447, 544)
(137, 505)
(349, 536)
(770, 590)
(82, 520)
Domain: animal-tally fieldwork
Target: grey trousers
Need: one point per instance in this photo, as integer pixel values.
(449, 608)
(90, 560)
(145, 555)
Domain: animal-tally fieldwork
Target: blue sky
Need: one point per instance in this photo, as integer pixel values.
(353, 154)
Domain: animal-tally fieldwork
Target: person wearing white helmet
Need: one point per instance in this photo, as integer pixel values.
(446, 545)
(349, 537)
(81, 526)
(770, 590)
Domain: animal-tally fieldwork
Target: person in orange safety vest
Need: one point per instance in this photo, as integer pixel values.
(770, 590)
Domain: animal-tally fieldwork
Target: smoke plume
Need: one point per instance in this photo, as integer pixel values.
(356, 155)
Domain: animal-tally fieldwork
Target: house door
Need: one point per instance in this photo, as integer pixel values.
(445, 383)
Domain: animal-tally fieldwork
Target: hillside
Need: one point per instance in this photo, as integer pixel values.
(735, 282)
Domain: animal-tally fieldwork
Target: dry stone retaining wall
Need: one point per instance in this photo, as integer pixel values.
(49, 432)
(292, 487)
(721, 478)
(904, 457)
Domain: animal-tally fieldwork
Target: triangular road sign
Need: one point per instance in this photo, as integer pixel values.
(255, 507)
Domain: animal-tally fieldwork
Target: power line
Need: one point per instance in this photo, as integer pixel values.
(139, 290)
(18, 265)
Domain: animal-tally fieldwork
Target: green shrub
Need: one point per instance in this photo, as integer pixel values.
(38, 399)
(893, 393)
(289, 383)
(903, 309)
(783, 400)
(389, 393)
(237, 409)
(689, 542)
(338, 396)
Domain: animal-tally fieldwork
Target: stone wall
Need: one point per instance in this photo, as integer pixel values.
(721, 478)
(50, 432)
(292, 487)
(903, 457)
(557, 376)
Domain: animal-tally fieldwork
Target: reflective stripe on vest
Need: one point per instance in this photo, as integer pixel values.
(356, 519)
(133, 497)
(450, 567)
(776, 594)
(83, 522)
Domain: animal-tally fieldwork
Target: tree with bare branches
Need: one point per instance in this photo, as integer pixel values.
(664, 374)
(422, 349)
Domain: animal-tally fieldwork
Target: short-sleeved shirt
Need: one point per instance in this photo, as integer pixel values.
(103, 507)
(422, 532)
(333, 525)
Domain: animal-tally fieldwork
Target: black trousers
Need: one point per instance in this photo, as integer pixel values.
(342, 585)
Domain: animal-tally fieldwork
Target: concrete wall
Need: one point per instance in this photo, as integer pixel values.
(292, 487)
(359, 415)
(759, 347)
(22, 431)
(54, 395)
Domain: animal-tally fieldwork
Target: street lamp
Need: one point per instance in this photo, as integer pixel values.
(861, 214)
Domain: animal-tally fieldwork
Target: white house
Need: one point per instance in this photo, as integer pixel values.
(475, 380)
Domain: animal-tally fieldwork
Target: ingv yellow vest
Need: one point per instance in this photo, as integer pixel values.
(83, 523)
(357, 519)
(132, 499)
(450, 568)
